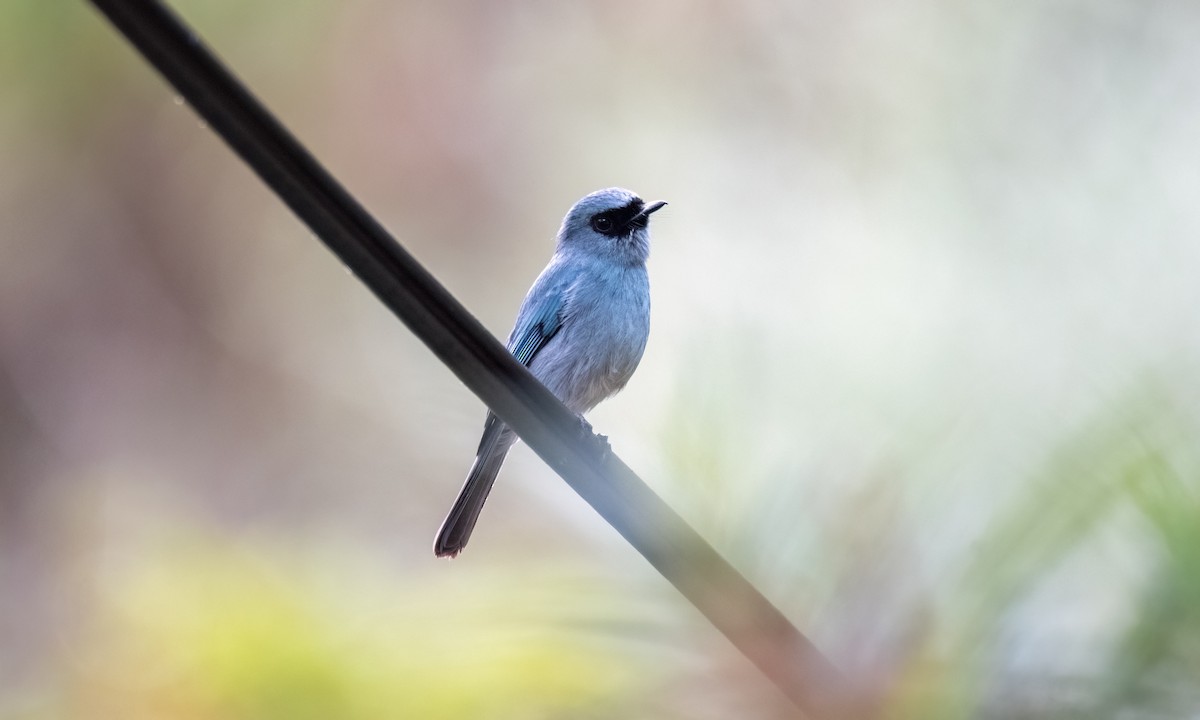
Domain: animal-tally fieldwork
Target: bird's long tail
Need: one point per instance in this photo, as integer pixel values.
(456, 528)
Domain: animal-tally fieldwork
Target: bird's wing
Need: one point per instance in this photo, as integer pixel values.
(535, 335)
(540, 318)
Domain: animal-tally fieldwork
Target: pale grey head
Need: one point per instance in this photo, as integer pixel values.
(612, 223)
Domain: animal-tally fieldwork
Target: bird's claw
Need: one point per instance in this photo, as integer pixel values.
(600, 441)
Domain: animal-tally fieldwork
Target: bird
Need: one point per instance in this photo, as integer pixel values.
(581, 331)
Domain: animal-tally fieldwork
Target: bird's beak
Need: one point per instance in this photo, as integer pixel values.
(643, 217)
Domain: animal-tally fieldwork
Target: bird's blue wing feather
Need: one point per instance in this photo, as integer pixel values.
(536, 333)
(539, 320)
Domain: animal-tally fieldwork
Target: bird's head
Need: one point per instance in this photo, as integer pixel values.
(612, 223)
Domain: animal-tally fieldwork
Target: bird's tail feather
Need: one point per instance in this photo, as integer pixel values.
(456, 528)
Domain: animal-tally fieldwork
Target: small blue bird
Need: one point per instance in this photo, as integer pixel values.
(581, 330)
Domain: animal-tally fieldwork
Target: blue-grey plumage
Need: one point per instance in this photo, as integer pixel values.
(581, 330)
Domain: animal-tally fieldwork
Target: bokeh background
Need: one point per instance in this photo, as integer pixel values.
(925, 360)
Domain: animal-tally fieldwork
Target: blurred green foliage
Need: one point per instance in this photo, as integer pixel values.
(205, 629)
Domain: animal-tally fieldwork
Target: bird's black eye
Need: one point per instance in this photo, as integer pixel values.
(602, 224)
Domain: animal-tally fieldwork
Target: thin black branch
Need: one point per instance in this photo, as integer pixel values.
(731, 603)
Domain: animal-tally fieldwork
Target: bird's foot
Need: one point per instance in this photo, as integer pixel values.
(600, 441)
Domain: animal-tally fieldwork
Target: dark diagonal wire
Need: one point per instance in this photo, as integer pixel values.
(731, 603)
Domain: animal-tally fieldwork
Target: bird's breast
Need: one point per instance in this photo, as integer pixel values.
(604, 334)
